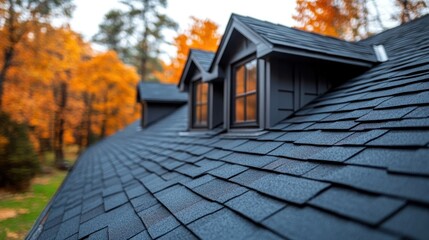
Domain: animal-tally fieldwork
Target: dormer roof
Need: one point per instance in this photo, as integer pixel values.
(157, 92)
(274, 38)
(197, 59)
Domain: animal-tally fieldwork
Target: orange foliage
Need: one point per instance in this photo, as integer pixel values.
(201, 35)
(337, 18)
(110, 86)
(46, 58)
(53, 70)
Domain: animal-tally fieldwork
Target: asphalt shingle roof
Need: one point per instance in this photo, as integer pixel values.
(160, 92)
(289, 37)
(353, 164)
(204, 58)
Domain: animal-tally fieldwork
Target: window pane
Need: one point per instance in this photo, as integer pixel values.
(203, 114)
(251, 107)
(204, 91)
(197, 114)
(197, 92)
(239, 109)
(251, 76)
(239, 80)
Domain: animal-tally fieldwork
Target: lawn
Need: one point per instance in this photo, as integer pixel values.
(18, 212)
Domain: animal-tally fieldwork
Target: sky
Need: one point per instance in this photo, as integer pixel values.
(89, 13)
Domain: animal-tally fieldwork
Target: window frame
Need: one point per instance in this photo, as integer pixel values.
(233, 95)
(195, 103)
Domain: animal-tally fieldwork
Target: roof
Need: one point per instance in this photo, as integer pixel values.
(353, 164)
(150, 91)
(203, 58)
(290, 37)
(273, 38)
(198, 59)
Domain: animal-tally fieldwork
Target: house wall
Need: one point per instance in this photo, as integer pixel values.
(238, 49)
(216, 106)
(155, 111)
(286, 82)
(294, 82)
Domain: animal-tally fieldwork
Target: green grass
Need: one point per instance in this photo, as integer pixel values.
(30, 204)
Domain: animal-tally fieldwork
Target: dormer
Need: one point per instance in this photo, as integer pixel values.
(158, 100)
(270, 71)
(205, 98)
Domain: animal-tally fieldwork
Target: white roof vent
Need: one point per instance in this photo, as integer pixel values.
(380, 53)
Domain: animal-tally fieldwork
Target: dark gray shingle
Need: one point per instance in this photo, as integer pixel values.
(249, 160)
(160, 92)
(336, 154)
(402, 138)
(186, 205)
(255, 205)
(397, 160)
(307, 223)
(219, 190)
(323, 138)
(412, 222)
(223, 224)
(288, 188)
(370, 209)
(158, 220)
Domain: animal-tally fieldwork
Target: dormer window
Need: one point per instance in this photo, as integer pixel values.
(200, 108)
(244, 111)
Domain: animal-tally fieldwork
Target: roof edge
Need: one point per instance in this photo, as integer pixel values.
(191, 59)
(234, 23)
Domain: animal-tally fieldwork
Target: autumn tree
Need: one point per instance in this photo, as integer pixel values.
(107, 88)
(18, 19)
(343, 19)
(202, 34)
(141, 29)
(352, 19)
(17, 157)
(38, 90)
(66, 53)
(410, 9)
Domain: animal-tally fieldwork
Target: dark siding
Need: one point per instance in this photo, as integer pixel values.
(217, 104)
(156, 111)
(293, 84)
(282, 90)
(238, 49)
(312, 83)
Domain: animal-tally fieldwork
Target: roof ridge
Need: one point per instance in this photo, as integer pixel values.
(201, 50)
(296, 29)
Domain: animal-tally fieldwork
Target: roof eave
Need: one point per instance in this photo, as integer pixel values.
(191, 60)
(235, 24)
(183, 76)
(316, 55)
(153, 100)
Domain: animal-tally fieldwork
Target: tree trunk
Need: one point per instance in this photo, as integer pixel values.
(59, 124)
(103, 127)
(88, 126)
(9, 51)
(105, 115)
(144, 42)
(86, 141)
(7, 59)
